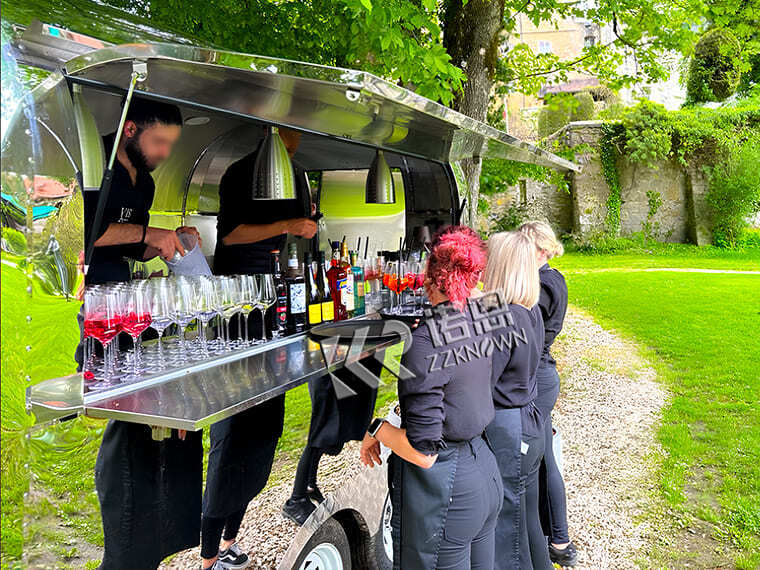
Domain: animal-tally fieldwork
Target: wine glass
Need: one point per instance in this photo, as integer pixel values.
(419, 281)
(390, 280)
(229, 291)
(137, 317)
(102, 321)
(184, 311)
(89, 368)
(249, 295)
(208, 307)
(413, 270)
(161, 310)
(267, 298)
(369, 277)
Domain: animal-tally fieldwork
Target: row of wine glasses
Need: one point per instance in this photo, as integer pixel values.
(160, 303)
(401, 276)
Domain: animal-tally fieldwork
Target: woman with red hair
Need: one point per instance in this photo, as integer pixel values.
(446, 486)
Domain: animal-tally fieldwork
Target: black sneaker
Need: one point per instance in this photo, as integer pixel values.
(298, 510)
(233, 558)
(216, 566)
(565, 557)
(313, 492)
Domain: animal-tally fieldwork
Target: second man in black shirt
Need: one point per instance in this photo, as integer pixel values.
(243, 446)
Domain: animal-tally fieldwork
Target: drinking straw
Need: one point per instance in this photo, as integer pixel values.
(366, 245)
(409, 250)
(358, 244)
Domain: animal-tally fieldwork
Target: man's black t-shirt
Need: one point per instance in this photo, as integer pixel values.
(127, 204)
(237, 207)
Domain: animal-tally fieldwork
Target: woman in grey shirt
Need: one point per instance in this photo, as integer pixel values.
(446, 487)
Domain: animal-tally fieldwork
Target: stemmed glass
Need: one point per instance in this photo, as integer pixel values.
(137, 318)
(229, 290)
(208, 307)
(413, 274)
(103, 321)
(391, 279)
(89, 360)
(419, 282)
(184, 311)
(249, 296)
(267, 297)
(162, 310)
(371, 275)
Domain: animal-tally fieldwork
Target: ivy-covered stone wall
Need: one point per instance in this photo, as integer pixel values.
(651, 199)
(686, 175)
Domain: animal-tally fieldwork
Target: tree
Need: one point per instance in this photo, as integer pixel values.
(714, 69)
(452, 51)
(562, 108)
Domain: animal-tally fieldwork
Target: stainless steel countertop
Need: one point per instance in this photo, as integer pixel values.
(205, 392)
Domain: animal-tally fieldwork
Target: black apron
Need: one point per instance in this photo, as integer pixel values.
(149, 493)
(241, 456)
(335, 421)
(420, 499)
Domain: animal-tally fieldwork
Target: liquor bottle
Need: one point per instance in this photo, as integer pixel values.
(359, 307)
(296, 315)
(328, 306)
(280, 313)
(347, 294)
(336, 277)
(312, 294)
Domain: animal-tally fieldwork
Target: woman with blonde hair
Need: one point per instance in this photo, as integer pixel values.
(553, 304)
(516, 432)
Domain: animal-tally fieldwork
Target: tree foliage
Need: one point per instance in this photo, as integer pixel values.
(734, 193)
(396, 39)
(722, 142)
(715, 68)
(562, 108)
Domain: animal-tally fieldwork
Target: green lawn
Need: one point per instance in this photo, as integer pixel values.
(664, 255)
(702, 332)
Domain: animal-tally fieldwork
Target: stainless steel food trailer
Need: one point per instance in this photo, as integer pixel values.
(54, 141)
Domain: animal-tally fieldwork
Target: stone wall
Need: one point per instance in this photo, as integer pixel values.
(667, 201)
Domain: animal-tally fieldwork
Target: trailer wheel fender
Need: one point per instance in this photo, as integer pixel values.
(327, 549)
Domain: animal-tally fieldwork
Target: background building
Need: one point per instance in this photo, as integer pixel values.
(566, 38)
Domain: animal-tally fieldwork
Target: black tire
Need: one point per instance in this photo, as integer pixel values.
(329, 539)
(382, 540)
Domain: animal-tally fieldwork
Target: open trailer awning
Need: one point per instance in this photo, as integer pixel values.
(345, 104)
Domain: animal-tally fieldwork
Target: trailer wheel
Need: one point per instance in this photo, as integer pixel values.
(384, 538)
(327, 549)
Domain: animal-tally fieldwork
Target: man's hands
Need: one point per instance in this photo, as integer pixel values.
(369, 453)
(301, 227)
(165, 242)
(190, 230)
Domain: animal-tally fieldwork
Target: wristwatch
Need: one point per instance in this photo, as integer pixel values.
(374, 427)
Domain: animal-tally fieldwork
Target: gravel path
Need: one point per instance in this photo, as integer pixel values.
(609, 405)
